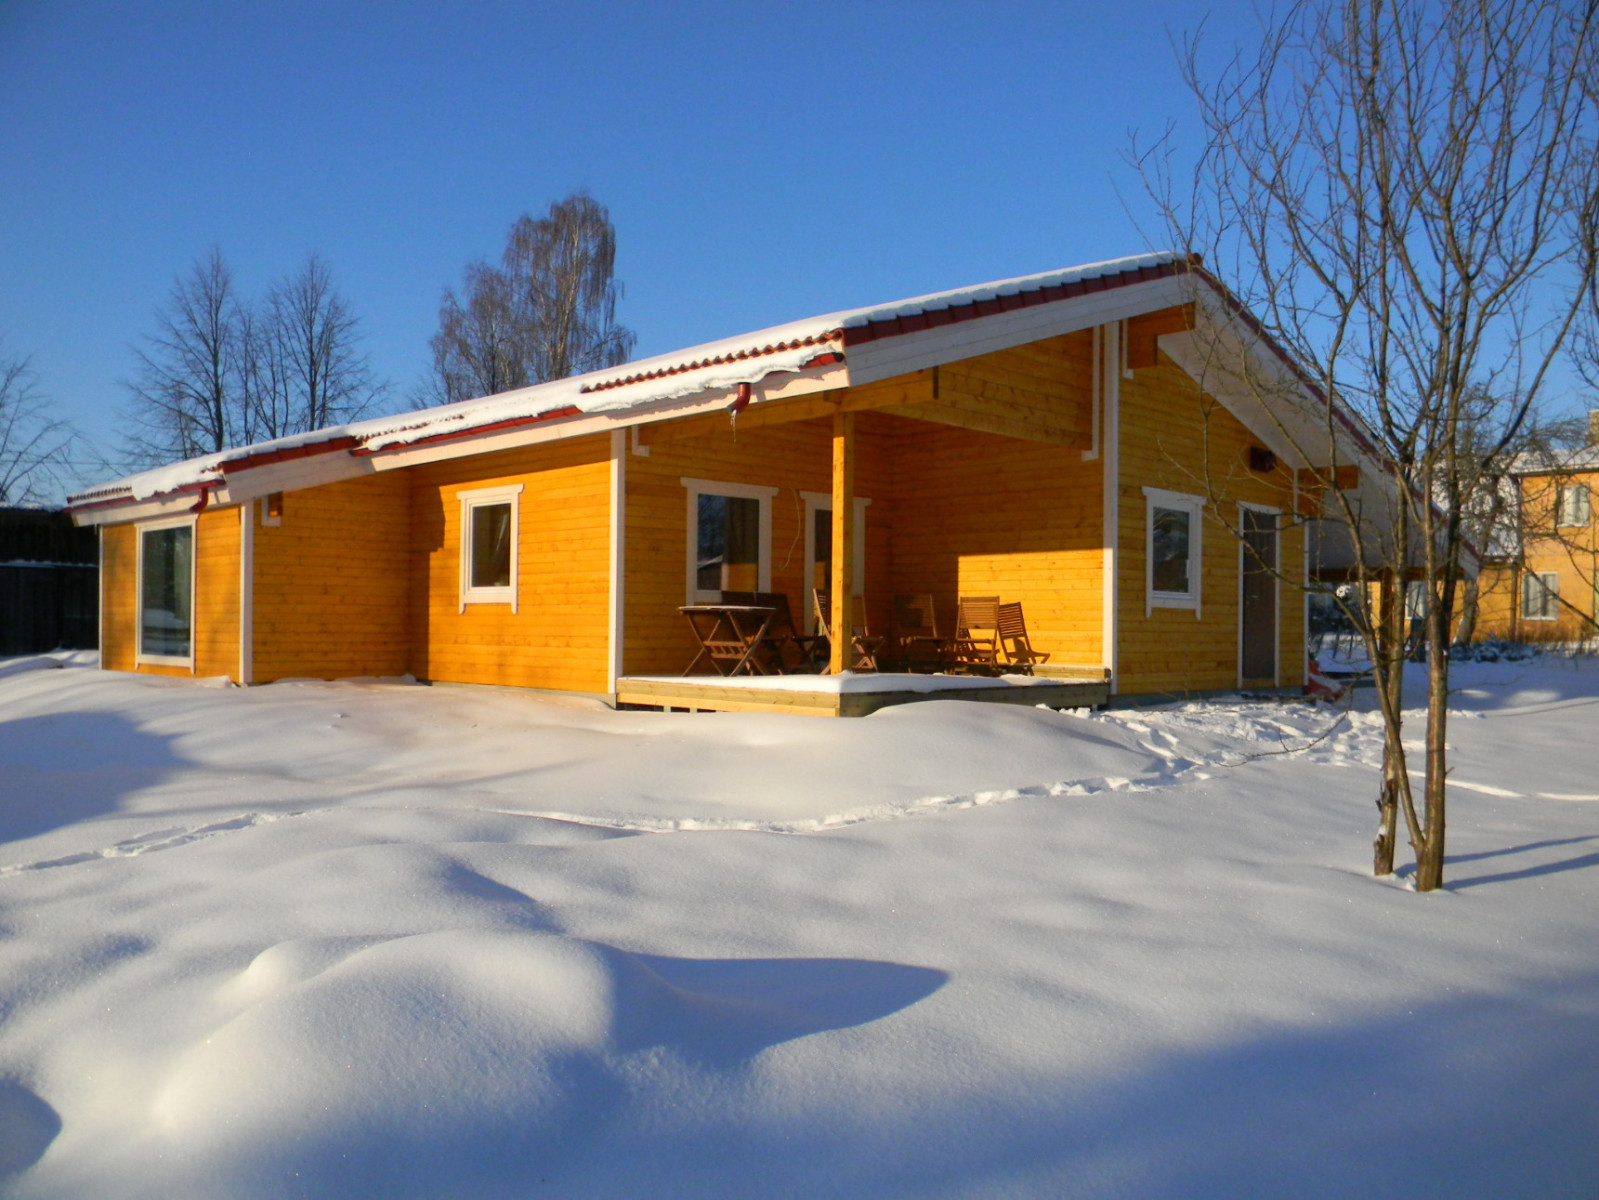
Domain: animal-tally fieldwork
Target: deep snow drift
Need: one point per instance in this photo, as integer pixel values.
(347, 939)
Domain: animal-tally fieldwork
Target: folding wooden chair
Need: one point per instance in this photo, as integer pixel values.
(1020, 656)
(795, 653)
(863, 646)
(976, 649)
(916, 634)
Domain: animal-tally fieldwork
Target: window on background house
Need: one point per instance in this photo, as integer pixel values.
(730, 537)
(1173, 539)
(166, 593)
(489, 531)
(1540, 596)
(1574, 506)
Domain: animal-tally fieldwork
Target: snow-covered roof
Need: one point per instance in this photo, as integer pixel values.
(814, 342)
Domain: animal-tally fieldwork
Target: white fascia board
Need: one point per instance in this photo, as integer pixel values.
(775, 387)
(144, 510)
(1222, 356)
(902, 353)
(292, 476)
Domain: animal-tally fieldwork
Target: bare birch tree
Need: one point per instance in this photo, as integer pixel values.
(186, 398)
(547, 312)
(1404, 193)
(34, 446)
(305, 366)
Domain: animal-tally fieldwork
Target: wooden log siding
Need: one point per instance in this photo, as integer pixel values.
(559, 637)
(1175, 438)
(979, 515)
(331, 581)
(216, 593)
(119, 597)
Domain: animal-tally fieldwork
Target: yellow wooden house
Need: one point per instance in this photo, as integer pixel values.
(1541, 583)
(1065, 440)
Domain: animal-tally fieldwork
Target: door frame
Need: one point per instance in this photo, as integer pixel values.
(816, 502)
(1276, 589)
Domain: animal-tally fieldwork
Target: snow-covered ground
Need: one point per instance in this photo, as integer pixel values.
(372, 939)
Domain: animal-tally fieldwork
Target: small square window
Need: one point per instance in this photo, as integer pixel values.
(489, 529)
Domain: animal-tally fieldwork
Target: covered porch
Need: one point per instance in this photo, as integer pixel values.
(981, 478)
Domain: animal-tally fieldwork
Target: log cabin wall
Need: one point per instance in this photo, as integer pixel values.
(331, 581)
(119, 597)
(980, 515)
(559, 635)
(214, 616)
(216, 593)
(1174, 437)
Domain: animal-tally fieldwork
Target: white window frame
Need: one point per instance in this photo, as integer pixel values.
(1195, 507)
(475, 498)
(191, 522)
(1563, 509)
(816, 502)
(742, 491)
(1551, 585)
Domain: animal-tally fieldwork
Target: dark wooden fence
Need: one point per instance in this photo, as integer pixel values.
(49, 582)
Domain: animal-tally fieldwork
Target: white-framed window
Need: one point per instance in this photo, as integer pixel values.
(490, 526)
(1540, 596)
(1574, 507)
(272, 509)
(1173, 535)
(166, 592)
(819, 548)
(729, 539)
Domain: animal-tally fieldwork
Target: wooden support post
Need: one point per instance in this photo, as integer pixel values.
(842, 584)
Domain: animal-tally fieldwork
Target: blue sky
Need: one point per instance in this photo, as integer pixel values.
(761, 162)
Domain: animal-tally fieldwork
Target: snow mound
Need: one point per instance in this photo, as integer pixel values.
(345, 1057)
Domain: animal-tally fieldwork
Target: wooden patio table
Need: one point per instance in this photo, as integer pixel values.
(730, 633)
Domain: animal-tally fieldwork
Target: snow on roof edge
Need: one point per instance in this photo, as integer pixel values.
(676, 373)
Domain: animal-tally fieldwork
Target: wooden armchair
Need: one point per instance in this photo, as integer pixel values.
(1018, 651)
(976, 649)
(864, 646)
(916, 637)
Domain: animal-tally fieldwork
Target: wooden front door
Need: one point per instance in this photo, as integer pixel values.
(1257, 656)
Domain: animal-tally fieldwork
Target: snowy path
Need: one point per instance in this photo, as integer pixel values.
(341, 939)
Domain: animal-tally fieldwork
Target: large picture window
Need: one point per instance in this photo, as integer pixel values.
(729, 539)
(1540, 596)
(1173, 538)
(489, 531)
(166, 593)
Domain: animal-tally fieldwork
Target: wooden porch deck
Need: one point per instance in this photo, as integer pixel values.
(856, 695)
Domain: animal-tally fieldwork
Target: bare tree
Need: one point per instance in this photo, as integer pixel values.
(305, 366)
(34, 446)
(186, 398)
(477, 351)
(1405, 193)
(548, 312)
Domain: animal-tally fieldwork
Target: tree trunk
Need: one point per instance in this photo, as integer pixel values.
(1389, 673)
(1430, 851)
